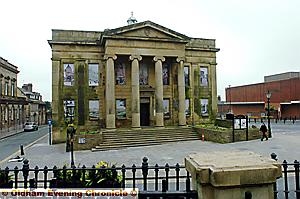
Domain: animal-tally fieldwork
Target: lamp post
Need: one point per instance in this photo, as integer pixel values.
(69, 113)
(268, 101)
(229, 93)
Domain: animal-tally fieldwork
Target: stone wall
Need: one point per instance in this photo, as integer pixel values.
(225, 136)
(90, 141)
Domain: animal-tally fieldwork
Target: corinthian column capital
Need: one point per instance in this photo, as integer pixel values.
(138, 57)
(107, 56)
(156, 58)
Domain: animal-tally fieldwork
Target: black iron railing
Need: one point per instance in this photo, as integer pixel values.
(152, 181)
(288, 186)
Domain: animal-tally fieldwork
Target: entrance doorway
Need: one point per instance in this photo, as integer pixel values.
(145, 112)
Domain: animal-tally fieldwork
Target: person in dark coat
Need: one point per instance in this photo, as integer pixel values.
(263, 129)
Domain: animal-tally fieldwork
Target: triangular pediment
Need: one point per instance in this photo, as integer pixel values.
(145, 30)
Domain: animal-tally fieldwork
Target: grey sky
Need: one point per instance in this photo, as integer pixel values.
(256, 38)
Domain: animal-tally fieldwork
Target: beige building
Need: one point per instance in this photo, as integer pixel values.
(12, 111)
(35, 111)
(142, 74)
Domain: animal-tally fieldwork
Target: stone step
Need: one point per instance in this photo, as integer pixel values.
(144, 137)
(148, 135)
(133, 141)
(148, 131)
(147, 141)
(156, 137)
(105, 147)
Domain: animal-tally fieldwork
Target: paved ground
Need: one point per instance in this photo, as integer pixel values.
(285, 143)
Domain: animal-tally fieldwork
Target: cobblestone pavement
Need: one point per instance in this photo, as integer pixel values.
(285, 143)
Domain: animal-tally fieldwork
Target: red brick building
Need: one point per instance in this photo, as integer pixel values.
(251, 99)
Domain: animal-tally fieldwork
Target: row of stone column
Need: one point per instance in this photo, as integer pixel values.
(135, 91)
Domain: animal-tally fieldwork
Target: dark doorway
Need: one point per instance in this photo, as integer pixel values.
(145, 114)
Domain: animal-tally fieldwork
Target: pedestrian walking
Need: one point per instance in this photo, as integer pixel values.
(263, 129)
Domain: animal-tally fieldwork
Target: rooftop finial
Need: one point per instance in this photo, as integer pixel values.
(131, 19)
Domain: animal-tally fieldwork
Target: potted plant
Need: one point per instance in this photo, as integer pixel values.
(104, 176)
(5, 179)
(66, 178)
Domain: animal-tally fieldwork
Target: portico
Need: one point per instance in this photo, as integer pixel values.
(156, 97)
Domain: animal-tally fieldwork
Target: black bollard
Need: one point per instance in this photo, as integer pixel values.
(21, 150)
(274, 156)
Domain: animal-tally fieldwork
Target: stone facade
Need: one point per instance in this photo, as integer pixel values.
(36, 108)
(12, 113)
(142, 74)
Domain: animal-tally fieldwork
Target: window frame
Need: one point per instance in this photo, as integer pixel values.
(166, 75)
(118, 101)
(206, 106)
(96, 112)
(167, 114)
(96, 66)
(205, 76)
(72, 75)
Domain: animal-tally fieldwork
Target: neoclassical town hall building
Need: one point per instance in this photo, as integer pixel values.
(142, 74)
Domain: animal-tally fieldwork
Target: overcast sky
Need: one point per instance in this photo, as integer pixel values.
(255, 37)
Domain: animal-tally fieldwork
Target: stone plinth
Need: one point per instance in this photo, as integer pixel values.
(222, 175)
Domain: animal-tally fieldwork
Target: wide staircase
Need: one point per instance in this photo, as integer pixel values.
(144, 137)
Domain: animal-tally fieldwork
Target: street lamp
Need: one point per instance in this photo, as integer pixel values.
(268, 101)
(229, 93)
(69, 114)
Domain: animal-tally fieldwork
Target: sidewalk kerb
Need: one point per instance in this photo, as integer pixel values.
(25, 147)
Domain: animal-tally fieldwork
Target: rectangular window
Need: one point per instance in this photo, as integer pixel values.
(186, 75)
(203, 77)
(12, 113)
(120, 73)
(69, 107)
(166, 74)
(204, 107)
(93, 75)
(166, 107)
(93, 109)
(143, 74)
(13, 89)
(6, 88)
(6, 114)
(18, 113)
(68, 74)
(121, 108)
(187, 107)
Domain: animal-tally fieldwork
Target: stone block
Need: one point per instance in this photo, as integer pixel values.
(222, 175)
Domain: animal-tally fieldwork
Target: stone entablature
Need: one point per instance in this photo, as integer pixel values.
(146, 49)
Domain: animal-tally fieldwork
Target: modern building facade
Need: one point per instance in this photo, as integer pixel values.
(12, 107)
(142, 74)
(251, 99)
